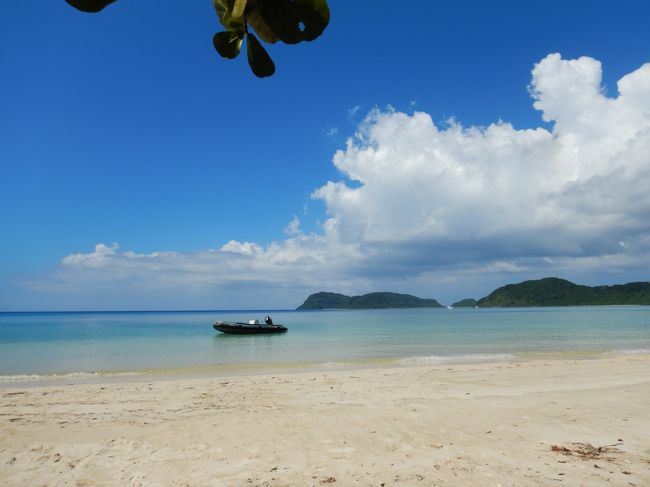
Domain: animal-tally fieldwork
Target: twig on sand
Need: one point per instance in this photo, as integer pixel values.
(587, 451)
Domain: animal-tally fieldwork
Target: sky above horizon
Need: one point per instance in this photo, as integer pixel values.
(443, 151)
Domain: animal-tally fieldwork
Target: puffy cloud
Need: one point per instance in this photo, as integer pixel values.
(101, 256)
(435, 209)
(332, 132)
(239, 274)
(293, 228)
(246, 248)
(352, 112)
(481, 193)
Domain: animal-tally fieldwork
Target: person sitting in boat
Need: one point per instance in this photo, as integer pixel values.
(268, 320)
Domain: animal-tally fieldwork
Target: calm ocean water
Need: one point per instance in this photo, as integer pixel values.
(36, 346)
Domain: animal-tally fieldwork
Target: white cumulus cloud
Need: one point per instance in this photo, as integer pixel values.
(479, 193)
(437, 209)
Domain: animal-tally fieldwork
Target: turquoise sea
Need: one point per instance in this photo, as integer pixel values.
(81, 346)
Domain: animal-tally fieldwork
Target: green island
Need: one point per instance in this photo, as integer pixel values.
(549, 291)
(324, 300)
(552, 291)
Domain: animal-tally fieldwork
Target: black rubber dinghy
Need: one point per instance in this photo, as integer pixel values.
(247, 328)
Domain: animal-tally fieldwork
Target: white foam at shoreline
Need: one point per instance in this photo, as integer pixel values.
(438, 359)
(83, 376)
(13, 378)
(633, 351)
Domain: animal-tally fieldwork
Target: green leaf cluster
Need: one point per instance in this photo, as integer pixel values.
(289, 21)
(91, 6)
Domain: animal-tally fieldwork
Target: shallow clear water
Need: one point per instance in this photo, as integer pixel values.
(108, 343)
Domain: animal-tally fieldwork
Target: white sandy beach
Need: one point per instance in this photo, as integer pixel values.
(529, 423)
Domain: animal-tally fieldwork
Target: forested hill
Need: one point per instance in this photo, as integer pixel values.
(552, 291)
(325, 300)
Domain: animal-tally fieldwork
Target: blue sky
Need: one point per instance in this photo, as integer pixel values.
(126, 128)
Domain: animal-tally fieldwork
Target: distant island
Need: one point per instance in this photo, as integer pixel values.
(325, 300)
(550, 291)
(465, 303)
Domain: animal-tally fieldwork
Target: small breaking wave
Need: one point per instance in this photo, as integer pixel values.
(8, 379)
(43, 377)
(463, 358)
(633, 351)
(70, 376)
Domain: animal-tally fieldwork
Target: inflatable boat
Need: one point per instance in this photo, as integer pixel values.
(250, 328)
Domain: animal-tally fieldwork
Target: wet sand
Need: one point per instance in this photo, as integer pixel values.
(538, 422)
